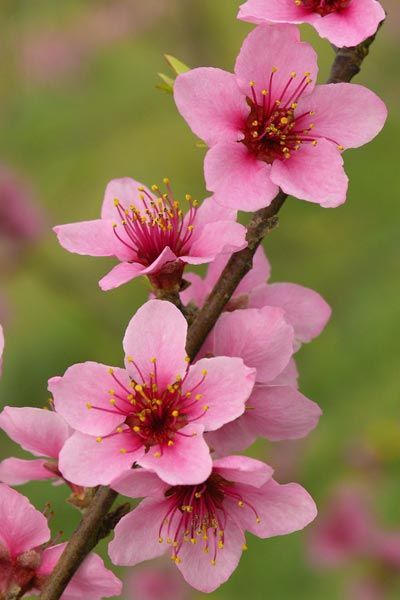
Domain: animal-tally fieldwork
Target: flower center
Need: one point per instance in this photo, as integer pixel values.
(273, 129)
(198, 514)
(152, 415)
(17, 572)
(323, 7)
(158, 224)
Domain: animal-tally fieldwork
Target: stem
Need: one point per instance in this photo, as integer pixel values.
(97, 523)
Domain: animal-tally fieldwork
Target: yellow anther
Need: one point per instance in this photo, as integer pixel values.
(160, 540)
(293, 74)
(204, 372)
(188, 394)
(195, 203)
(293, 105)
(175, 413)
(255, 123)
(241, 503)
(213, 562)
(153, 360)
(136, 428)
(169, 541)
(252, 83)
(254, 134)
(187, 359)
(99, 439)
(312, 113)
(138, 387)
(112, 401)
(188, 197)
(190, 227)
(111, 371)
(88, 405)
(166, 181)
(170, 443)
(193, 541)
(206, 407)
(197, 495)
(245, 547)
(157, 455)
(258, 520)
(220, 545)
(141, 189)
(274, 69)
(264, 92)
(155, 187)
(119, 430)
(307, 74)
(284, 120)
(116, 202)
(314, 142)
(340, 147)
(130, 397)
(198, 396)
(123, 450)
(111, 392)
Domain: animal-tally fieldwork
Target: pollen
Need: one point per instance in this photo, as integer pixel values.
(88, 405)
(123, 450)
(175, 413)
(99, 440)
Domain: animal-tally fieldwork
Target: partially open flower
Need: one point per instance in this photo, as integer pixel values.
(155, 411)
(203, 526)
(27, 557)
(269, 126)
(151, 234)
(342, 22)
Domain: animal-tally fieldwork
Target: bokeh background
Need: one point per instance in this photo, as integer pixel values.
(78, 107)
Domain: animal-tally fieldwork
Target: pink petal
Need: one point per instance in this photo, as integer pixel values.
(92, 238)
(137, 534)
(15, 471)
(314, 174)
(139, 483)
(224, 390)
(353, 25)
(87, 462)
(197, 292)
(347, 113)
(223, 237)
(121, 274)
(39, 431)
(187, 462)
(305, 309)
(84, 387)
(211, 103)
(282, 509)
(281, 413)
(210, 211)
(245, 470)
(261, 337)
(235, 436)
(22, 526)
(270, 47)
(196, 565)
(237, 178)
(92, 581)
(127, 191)
(158, 330)
(289, 375)
(271, 11)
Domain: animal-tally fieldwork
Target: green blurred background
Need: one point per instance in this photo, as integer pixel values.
(82, 110)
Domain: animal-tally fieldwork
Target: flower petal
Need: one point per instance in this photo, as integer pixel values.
(39, 431)
(304, 308)
(137, 534)
(270, 11)
(196, 566)
(349, 114)
(16, 471)
(91, 238)
(187, 462)
(158, 330)
(88, 462)
(121, 274)
(276, 50)
(261, 337)
(237, 178)
(280, 412)
(314, 174)
(139, 483)
(211, 103)
(223, 237)
(222, 386)
(22, 526)
(243, 469)
(127, 191)
(83, 390)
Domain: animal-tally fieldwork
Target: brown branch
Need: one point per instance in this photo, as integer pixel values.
(97, 522)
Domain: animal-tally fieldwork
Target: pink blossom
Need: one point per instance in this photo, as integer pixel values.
(150, 235)
(268, 126)
(344, 531)
(27, 558)
(276, 410)
(342, 22)
(305, 309)
(203, 526)
(41, 432)
(155, 411)
(155, 583)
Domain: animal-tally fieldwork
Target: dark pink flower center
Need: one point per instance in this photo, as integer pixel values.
(323, 7)
(152, 415)
(158, 224)
(17, 572)
(199, 515)
(273, 130)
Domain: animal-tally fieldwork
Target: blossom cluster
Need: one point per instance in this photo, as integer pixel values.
(165, 427)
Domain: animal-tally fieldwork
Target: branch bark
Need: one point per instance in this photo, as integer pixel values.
(97, 522)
